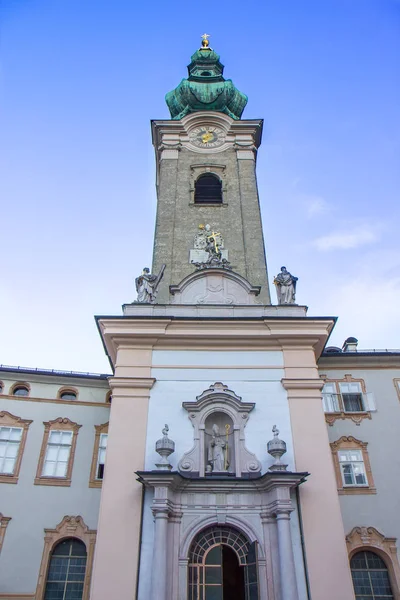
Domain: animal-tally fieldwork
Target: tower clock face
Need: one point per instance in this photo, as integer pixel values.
(207, 137)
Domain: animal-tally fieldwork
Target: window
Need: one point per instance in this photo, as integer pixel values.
(4, 521)
(67, 561)
(10, 439)
(99, 455)
(346, 399)
(1, 387)
(67, 394)
(352, 466)
(66, 574)
(208, 189)
(13, 432)
(20, 390)
(374, 564)
(370, 577)
(57, 453)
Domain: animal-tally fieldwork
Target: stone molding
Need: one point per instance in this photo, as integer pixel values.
(4, 521)
(53, 401)
(59, 424)
(131, 383)
(99, 429)
(369, 538)
(219, 399)
(396, 383)
(20, 384)
(69, 527)
(263, 503)
(214, 286)
(9, 420)
(350, 443)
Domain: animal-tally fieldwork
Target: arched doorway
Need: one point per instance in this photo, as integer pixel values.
(222, 566)
(370, 577)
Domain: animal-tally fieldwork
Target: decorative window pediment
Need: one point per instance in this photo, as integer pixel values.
(219, 417)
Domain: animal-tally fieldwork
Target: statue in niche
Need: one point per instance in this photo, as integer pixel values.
(285, 284)
(218, 457)
(146, 285)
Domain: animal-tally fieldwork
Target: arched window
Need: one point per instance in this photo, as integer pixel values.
(208, 189)
(66, 573)
(21, 390)
(370, 577)
(222, 565)
(66, 394)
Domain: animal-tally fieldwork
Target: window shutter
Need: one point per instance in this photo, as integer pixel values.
(369, 402)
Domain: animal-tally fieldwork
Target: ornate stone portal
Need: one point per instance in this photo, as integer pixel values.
(219, 417)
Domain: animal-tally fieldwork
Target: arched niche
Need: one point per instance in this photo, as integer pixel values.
(219, 406)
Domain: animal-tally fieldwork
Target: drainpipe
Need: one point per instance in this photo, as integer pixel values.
(303, 549)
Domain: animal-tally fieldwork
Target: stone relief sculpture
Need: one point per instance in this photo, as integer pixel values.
(285, 284)
(146, 285)
(209, 249)
(218, 459)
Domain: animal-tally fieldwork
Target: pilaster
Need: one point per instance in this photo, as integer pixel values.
(322, 519)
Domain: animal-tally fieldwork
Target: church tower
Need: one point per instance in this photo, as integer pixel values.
(219, 483)
(206, 174)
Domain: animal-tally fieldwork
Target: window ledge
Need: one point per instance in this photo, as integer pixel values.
(57, 481)
(95, 483)
(356, 417)
(353, 490)
(4, 478)
(196, 204)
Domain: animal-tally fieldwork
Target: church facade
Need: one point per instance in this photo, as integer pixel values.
(231, 455)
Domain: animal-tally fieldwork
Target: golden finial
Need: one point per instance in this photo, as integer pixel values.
(205, 43)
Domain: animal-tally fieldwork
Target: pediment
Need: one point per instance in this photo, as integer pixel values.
(214, 286)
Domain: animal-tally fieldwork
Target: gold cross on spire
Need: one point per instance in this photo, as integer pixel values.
(205, 43)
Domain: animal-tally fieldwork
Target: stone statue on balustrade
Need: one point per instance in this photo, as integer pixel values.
(285, 284)
(218, 451)
(147, 284)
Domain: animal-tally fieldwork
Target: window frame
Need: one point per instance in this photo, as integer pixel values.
(70, 527)
(93, 481)
(342, 413)
(348, 444)
(4, 521)
(68, 390)
(218, 171)
(9, 420)
(20, 384)
(369, 539)
(60, 424)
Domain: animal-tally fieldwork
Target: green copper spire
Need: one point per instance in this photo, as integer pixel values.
(205, 88)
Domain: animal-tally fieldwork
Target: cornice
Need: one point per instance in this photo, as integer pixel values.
(128, 383)
(302, 384)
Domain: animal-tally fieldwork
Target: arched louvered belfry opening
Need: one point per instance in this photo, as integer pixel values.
(370, 577)
(208, 189)
(66, 572)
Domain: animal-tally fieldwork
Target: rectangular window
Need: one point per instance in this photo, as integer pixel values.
(352, 397)
(57, 454)
(10, 439)
(101, 458)
(352, 468)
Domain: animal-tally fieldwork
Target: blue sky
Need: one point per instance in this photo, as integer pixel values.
(80, 81)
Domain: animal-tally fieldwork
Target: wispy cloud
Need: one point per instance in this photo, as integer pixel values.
(345, 239)
(315, 206)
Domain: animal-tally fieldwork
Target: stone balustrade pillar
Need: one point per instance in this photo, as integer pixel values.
(286, 559)
(159, 581)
